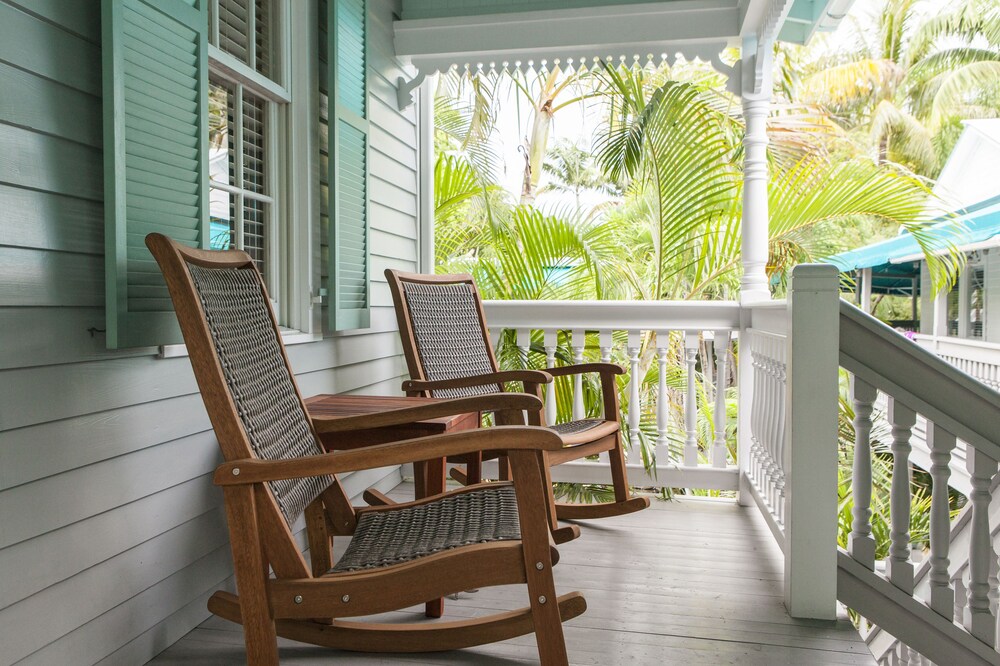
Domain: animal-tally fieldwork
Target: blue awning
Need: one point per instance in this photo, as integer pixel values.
(971, 227)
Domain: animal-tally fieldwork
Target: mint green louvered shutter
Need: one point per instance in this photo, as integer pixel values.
(155, 154)
(347, 88)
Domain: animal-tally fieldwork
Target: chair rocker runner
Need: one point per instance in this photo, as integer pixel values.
(449, 354)
(399, 555)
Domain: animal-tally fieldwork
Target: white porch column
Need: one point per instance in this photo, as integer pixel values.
(866, 290)
(756, 96)
(425, 175)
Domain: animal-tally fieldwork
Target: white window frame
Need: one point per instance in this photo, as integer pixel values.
(293, 125)
(284, 259)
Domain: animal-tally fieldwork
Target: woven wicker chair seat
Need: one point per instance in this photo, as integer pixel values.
(576, 427)
(384, 538)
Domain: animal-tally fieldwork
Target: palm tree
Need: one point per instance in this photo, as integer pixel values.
(547, 96)
(678, 150)
(572, 169)
(908, 79)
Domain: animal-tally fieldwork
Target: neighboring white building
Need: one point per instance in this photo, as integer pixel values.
(963, 324)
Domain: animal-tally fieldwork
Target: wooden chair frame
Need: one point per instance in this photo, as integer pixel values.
(604, 437)
(305, 603)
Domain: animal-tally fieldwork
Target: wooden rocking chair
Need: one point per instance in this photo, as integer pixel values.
(449, 354)
(399, 555)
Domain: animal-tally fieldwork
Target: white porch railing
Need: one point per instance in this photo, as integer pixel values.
(945, 609)
(645, 337)
(973, 357)
(942, 607)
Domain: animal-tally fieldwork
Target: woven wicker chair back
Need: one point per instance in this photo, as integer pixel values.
(258, 379)
(449, 335)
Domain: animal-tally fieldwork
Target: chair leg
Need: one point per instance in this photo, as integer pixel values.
(251, 571)
(619, 475)
(474, 470)
(529, 470)
(624, 502)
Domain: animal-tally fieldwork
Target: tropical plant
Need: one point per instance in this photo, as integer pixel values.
(909, 78)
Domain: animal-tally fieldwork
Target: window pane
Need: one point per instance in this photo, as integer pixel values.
(953, 301)
(222, 219)
(263, 36)
(234, 24)
(254, 216)
(237, 19)
(977, 301)
(254, 144)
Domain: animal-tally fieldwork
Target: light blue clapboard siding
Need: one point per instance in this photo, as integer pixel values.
(107, 512)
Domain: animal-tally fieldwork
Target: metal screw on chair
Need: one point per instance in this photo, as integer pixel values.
(539, 566)
(236, 471)
(298, 599)
(542, 599)
(345, 598)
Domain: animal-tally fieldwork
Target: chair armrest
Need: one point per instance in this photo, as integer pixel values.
(507, 438)
(579, 369)
(390, 417)
(530, 376)
(609, 390)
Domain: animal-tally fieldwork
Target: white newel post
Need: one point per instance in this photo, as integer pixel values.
(810, 456)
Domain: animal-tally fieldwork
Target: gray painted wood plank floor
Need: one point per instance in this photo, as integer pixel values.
(685, 582)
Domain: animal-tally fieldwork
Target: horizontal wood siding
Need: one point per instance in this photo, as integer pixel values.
(112, 536)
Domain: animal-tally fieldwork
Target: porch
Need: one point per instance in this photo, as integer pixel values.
(693, 581)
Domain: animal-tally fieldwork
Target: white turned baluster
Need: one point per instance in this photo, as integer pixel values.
(860, 543)
(691, 400)
(662, 403)
(522, 338)
(634, 409)
(979, 621)
(771, 416)
(961, 597)
(607, 343)
(941, 443)
(898, 567)
(719, 449)
(756, 451)
(550, 341)
(779, 431)
(992, 581)
(579, 342)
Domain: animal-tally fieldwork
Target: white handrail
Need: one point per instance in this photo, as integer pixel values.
(926, 383)
(618, 315)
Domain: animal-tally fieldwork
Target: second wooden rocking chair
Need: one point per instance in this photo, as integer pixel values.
(449, 354)
(399, 555)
